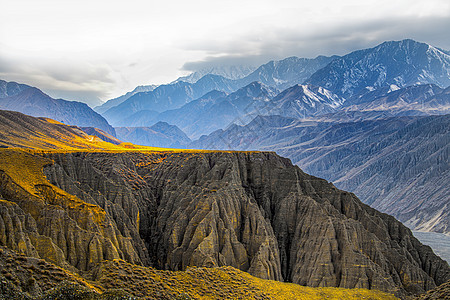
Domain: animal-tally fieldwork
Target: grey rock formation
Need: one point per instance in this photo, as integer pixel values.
(253, 211)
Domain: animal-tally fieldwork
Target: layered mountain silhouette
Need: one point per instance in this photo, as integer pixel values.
(161, 134)
(116, 101)
(400, 63)
(276, 74)
(34, 102)
(126, 210)
(211, 111)
(166, 97)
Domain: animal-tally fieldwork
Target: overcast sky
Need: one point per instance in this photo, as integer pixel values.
(81, 50)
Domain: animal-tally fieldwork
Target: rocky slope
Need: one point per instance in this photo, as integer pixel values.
(34, 102)
(22, 131)
(301, 101)
(442, 292)
(282, 74)
(253, 211)
(423, 99)
(26, 278)
(397, 165)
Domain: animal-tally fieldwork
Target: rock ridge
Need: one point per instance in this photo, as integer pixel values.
(253, 211)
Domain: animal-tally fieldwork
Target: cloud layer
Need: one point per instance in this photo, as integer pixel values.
(85, 50)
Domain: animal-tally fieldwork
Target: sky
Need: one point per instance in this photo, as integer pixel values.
(99, 49)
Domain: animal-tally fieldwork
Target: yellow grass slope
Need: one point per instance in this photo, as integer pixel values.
(214, 283)
(21, 131)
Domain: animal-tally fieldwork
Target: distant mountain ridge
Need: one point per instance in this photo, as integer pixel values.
(276, 74)
(166, 97)
(161, 134)
(212, 111)
(34, 102)
(116, 101)
(8, 89)
(401, 63)
(355, 77)
(230, 72)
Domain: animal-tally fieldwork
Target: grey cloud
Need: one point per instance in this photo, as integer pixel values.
(83, 82)
(338, 39)
(89, 97)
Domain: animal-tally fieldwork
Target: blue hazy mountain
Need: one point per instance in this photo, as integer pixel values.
(116, 101)
(160, 134)
(287, 72)
(33, 102)
(401, 63)
(212, 111)
(277, 74)
(8, 89)
(167, 97)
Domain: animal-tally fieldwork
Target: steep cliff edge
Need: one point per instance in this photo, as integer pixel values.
(253, 211)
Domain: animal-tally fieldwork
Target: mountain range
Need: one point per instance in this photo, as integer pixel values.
(161, 134)
(352, 76)
(78, 203)
(34, 102)
(400, 63)
(116, 101)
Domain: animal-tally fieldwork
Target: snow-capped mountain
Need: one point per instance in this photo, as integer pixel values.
(400, 63)
(423, 99)
(301, 101)
(229, 72)
(287, 72)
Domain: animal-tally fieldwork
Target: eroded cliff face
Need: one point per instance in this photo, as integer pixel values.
(40, 220)
(253, 211)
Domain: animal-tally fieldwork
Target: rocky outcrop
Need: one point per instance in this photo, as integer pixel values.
(442, 292)
(40, 220)
(253, 211)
